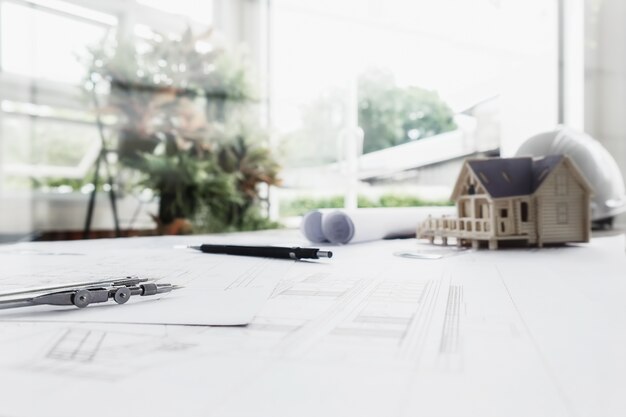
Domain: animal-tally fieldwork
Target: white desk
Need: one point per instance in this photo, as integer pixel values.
(507, 333)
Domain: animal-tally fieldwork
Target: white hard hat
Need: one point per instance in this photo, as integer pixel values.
(595, 162)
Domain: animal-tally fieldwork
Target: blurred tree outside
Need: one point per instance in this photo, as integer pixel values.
(316, 141)
(301, 205)
(389, 115)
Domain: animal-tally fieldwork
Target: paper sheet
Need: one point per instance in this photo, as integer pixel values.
(523, 332)
(360, 225)
(216, 290)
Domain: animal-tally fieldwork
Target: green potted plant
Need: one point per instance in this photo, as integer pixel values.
(182, 110)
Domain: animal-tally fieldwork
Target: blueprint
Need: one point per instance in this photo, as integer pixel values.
(521, 332)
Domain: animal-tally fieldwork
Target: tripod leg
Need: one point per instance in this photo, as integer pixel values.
(92, 198)
(113, 200)
(102, 157)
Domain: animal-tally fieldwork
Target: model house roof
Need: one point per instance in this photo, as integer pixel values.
(504, 177)
(510, 177)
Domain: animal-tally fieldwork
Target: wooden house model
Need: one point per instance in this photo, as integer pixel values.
(519, 200)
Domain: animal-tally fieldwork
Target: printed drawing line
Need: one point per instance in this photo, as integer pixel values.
(451, 322)
(387, 311)
(551, 373)
(302, 339)
(94, 354)
(413, 342)
(74, 345)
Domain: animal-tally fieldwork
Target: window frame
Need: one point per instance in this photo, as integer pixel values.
(560, 184)
(26, 89)
(519, 130)
(524, 211)
(562, 213)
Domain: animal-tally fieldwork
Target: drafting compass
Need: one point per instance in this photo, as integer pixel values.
(83, 294)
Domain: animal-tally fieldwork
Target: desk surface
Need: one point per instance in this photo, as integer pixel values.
(521, 332)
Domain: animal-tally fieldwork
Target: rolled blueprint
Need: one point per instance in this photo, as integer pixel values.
(311, 226)
(360, 225)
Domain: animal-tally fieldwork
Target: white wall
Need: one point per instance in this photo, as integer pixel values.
(605, 80)
(530, 72)
(605, 75)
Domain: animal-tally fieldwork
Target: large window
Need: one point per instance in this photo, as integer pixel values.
(44, 128)
(34, 45)
(382, 99)
(369, 102)
(49, 139)
(47, 124)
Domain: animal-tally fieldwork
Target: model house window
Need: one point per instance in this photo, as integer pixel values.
(504, 213)
(561, 213)
(561, 184)
(524, 211)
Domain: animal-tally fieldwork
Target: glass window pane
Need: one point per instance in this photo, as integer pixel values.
(426, 85)
(200, 11)
(163, 85)
(47, 142)
(33, 44)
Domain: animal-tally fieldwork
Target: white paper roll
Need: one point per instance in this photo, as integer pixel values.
(311, 227)
(360, 225)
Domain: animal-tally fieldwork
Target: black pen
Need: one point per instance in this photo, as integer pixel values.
(266, 251)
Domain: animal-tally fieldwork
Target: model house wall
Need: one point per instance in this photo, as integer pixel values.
(565, 210)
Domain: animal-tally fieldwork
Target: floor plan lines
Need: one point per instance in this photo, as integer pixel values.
(450, 357)
(77, 345)
(450, 333)
(422, 322)
(386, 312)
(95, 353)
(349, 317)
(317, 285)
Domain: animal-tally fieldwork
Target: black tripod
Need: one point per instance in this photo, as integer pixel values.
(102, 159)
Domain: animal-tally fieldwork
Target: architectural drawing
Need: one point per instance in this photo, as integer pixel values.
(93, 352)
(370, 334)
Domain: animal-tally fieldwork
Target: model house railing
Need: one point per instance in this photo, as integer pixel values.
(446, 227)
